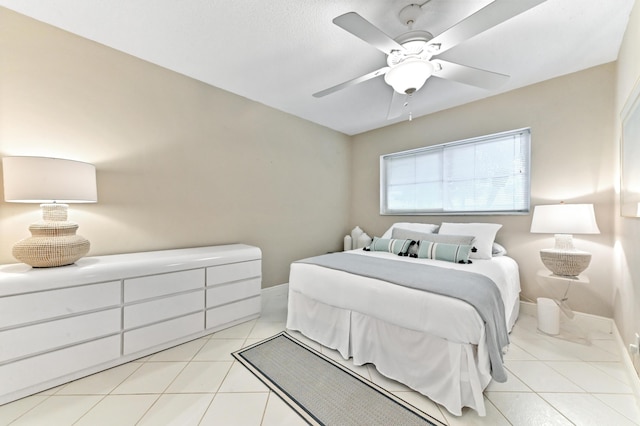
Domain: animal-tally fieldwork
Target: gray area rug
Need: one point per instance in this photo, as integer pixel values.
(322, 391)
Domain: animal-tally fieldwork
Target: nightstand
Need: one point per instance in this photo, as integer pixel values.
(548, 315)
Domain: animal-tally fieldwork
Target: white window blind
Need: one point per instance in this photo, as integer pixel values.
(484, 175)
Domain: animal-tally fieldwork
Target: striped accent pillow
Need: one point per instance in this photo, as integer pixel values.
(458, 253)
(434, 238)
(395, 246)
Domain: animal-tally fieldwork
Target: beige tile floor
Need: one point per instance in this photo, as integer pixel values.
(553, 381)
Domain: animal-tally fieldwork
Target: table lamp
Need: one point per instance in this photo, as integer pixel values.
(53, 182)
(563, 220)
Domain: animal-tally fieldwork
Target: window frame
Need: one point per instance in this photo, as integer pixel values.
(385, 211)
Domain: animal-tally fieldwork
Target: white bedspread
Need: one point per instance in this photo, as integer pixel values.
(433, 344)
(407, 307)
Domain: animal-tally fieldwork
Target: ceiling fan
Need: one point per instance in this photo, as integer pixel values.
(411, 56)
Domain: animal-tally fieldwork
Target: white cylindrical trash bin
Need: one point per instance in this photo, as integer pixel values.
(548, 316)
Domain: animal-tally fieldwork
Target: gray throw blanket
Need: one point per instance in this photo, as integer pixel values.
(476, 289)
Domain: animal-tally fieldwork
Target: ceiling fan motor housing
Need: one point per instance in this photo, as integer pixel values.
(409, 14)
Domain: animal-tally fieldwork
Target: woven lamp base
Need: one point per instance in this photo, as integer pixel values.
(565, 263)
(53, 240)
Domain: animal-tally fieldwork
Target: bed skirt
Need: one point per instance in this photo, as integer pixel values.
(449, 373)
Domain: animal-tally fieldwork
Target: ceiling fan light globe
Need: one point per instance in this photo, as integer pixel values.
(409, 76)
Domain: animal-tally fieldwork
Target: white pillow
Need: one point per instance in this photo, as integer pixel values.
(485, 234)
(498, 250)
(426, 228)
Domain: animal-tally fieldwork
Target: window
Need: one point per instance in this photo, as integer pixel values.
(484, 175)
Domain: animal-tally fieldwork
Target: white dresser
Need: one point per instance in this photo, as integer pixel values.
(60, 324)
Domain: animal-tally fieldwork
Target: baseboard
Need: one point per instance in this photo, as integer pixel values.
(603, 325)
(587, 321)
(628, 365)
(273, 298)
(275, 290)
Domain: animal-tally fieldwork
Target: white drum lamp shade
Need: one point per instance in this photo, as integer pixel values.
(563, 220)
(53, 183)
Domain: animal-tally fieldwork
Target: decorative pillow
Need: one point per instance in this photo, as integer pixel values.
(457, 253)
(434, 238)
(426, 228)
(395, 246)
(484, 233)
(498, 250)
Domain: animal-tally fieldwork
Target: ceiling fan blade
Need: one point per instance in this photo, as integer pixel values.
(353, 82)
(399, 104)
(468, 75)
(365, 30)
(487, 17)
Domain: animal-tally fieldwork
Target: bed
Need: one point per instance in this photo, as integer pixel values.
(435, 344)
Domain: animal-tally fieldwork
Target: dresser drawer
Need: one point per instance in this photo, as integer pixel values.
(45, 305)
(226, 293)
(161, 309)
(161, 285)
(233, 272)
(40, 369)
(232, 312)
(148, 337)
(20, 342)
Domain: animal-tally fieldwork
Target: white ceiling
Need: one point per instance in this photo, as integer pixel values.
(280, 52)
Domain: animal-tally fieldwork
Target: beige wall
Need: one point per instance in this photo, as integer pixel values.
(627, 235)
(179, 163)
(572, 161)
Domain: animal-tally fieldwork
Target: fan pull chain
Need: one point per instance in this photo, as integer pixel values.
(406, 105)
